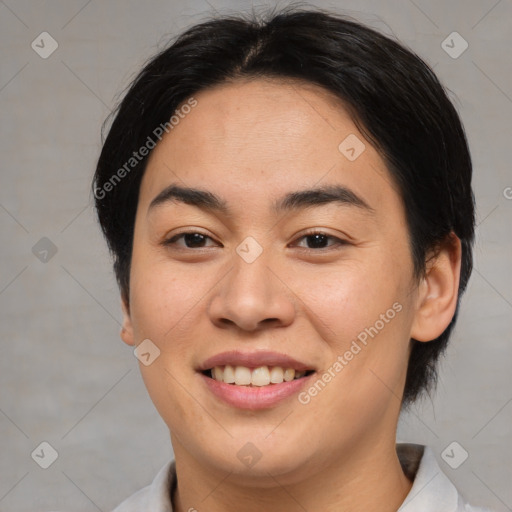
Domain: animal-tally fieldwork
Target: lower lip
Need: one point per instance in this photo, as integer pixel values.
(254, 397)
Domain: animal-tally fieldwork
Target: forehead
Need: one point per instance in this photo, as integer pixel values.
(260, 139)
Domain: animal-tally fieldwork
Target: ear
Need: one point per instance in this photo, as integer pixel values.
(127, 327)
(438, 291)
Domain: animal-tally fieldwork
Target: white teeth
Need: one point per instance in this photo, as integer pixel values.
(229, 374)
(242, 376)
(276, 375)
(218, 373)
(289, 374)
(261, 376)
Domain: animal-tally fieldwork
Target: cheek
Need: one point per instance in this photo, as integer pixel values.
(160, 297)
(343, 301)
(363, 313)
(163, 303)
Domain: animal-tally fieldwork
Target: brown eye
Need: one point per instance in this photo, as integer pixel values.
(191, 240)
(319, 240)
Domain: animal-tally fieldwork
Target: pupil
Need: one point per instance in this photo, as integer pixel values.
(194, 239)
(318, 240)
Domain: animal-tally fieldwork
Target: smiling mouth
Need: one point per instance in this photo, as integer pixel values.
(254, 377)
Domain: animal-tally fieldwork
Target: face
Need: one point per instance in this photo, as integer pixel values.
(300, 262)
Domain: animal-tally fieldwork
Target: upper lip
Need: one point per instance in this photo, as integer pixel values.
(253, 360)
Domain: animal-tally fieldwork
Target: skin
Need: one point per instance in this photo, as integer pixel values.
(251, 142)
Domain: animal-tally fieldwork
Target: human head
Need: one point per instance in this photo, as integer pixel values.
(391, 94)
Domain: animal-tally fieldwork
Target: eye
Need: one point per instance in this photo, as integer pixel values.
(319, 240)
(191, 239)
(196, 240)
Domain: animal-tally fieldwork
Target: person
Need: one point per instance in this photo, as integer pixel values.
(288, 203)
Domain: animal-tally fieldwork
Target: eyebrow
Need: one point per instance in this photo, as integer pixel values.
(292, 201)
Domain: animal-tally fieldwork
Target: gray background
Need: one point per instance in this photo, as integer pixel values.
(66, 377)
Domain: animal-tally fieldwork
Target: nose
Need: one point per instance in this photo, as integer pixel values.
(251, 297)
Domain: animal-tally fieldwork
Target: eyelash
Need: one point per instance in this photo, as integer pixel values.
(339, 242)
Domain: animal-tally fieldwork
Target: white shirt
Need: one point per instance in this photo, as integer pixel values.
(431, 491)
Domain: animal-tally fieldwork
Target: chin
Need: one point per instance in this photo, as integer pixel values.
(254, 463)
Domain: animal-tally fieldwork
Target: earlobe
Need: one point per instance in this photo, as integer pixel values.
(438, 291)
(127, 327)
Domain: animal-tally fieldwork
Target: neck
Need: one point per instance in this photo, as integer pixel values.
(367, 479)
